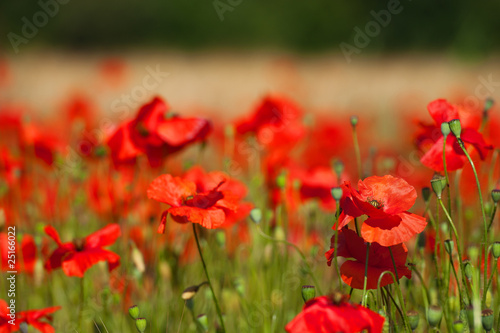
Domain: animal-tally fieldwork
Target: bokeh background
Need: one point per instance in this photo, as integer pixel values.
(223, 55)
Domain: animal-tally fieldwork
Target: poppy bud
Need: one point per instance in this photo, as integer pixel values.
(134, 311)
(337, 193)
(495, 250)
(256, 215)
(488, 208)
(338, 167)
(190, 304)
(203, 320)
(495, 195)
(308, 292)
(473, 252)
(434, 315)
(354, 121)
(445, 129)
(438, 184)
(140, 323)
(488, 103)
(448, 245)
(487, 319)
(221, 238)
(455, 127)
(421, 240)
(239, 285)
(458, 326)
(413, 319)
(468, 269)
(426, 193)
(281, 180)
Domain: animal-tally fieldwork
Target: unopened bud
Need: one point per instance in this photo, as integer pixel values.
(445, 129)
(448, 245)
(458, 326)
(338, 167)
(495, 195)
(337, 193)
(256, 215)
(495, 250)
(426, 194)
(354, 121)
(438, 184)
(468, 269)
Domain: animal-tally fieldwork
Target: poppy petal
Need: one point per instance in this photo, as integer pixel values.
(393, 230)
(52, 233)
(77, 263)
(476, 139)
(181, 131)
(210, 218)
(171, 190)
(442, 111)
(433, 158)
(395, 194)
(103, 237)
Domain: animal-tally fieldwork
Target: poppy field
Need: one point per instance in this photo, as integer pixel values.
(279, 220)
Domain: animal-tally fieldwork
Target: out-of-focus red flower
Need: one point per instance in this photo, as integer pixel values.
(431, 138)
(44, 144)
(10, 167)
(156, 134)
(276, 121)
(39, 319)
(350, 245)
(325, 315)
(81, 254)
(207, 201)
(25, 263)
(385, 200)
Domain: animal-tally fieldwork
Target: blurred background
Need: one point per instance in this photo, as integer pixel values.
(223, 55)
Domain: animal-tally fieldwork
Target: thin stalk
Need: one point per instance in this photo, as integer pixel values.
(491, 172)
(82, 299)
(491, 278)
(460, 142)
(363, 301)
(357, 151)
(304, 259)
(219, 312)
(337, 269)
(400, 296)
(458, 283)
(427, 294)
(492, 218)
(446, 174)
(459, 247)
(356, 226)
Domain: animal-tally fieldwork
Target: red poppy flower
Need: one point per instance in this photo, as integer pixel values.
(385, 200)
(36, 318)
(154, 133)
(350, 245)
(324, 315)
(10, 167)
(78, 256)
(206, 204)
(442, 111)
(27, 250)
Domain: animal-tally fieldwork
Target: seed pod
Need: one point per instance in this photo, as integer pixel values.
(455, 127)
(354, 121)
(487, 319)
(495, 195)
(426, 193)
(438, 183)
(337, 193)
(458, 326)
(434, 315)
(134, 311)
(141, 324)
(308, 292)
(413, 319)
(449, 245)
(495, 250)
(445, 129)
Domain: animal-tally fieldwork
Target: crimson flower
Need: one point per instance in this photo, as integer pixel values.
(326, 315)
(205, 204)
(156, 134)
(81, 254)
(27, 250)
(37, 318)
(350, 245)
(385, 200)
(442, 111)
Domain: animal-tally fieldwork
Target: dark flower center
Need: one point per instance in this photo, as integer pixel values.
(141, 128)
(79, 244)
(375, 204)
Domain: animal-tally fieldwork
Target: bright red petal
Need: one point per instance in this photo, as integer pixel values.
(395, 194)
(476, 139)
(442, 111)
(181, 131)
(394, 229)
(171, 190)
(433, 158)
(211, 218)
(104, 237)
(78, 262)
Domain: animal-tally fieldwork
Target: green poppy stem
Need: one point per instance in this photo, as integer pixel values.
(337, 268)
(219, 312)
(461, 143)
(363, 300)
(357, 152)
